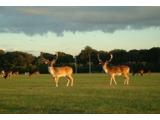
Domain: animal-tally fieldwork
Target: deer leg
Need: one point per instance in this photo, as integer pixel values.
(56, 81)
(114, 80)
(111, 81)
(68, 80)
(71, 78)
(126, 80)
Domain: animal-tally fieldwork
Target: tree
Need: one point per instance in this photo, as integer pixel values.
(148, 60)
(83, 57)
(2, 52)
(119, 56)
(64, 58)
(14, 60)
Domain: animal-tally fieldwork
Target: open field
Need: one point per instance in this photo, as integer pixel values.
(91, 94)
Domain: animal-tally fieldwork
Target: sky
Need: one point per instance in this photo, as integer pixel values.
(70, 29)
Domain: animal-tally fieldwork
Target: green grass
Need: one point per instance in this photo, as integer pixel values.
(91, 94)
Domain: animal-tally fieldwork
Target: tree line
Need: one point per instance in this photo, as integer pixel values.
(85, 61)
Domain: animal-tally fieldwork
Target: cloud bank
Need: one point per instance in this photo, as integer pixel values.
(40, 20)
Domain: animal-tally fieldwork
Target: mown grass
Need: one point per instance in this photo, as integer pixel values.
(91, 94)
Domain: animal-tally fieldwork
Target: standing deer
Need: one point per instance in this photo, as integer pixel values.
(34, 72)
(58, 72)
(115, 70)
(6, 74)
(2, 73)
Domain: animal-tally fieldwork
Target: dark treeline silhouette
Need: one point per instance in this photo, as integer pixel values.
(147, 60)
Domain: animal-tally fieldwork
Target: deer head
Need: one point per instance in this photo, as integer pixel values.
(48, 62)
(106, 62)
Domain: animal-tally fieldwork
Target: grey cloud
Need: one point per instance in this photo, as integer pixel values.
(40, 20)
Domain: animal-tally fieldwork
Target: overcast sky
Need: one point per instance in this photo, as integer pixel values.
(70, 29)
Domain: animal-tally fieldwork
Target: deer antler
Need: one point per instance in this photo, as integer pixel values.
(54, 60)
(111, 56)
(99, 58)
(42, 58)
(56, 56)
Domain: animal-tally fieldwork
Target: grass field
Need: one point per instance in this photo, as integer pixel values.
(91, 94)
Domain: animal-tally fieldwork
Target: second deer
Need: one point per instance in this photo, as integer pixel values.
(115, 70)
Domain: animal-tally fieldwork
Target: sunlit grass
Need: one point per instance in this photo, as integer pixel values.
(91, 93)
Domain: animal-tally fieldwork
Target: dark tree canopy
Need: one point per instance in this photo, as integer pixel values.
(146, 59)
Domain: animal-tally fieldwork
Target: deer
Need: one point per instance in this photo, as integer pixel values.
(58, 72)
(2, 73)
(115, 70)
(6, 74)
(34, 72)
